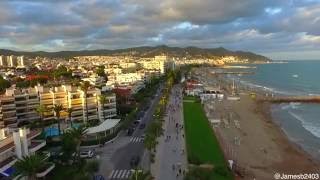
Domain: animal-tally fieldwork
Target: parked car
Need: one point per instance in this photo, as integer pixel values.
(134, 162)
(87, 154)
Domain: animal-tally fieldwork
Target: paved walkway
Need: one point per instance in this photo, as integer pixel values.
(171, 161)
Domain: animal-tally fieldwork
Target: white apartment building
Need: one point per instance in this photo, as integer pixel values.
(17, 144)
(158, 65)
(12, 61)
(80, 102)
(17, 106)
(128, 78)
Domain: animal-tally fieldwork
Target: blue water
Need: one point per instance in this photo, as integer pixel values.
(301, 122)
(53, 130)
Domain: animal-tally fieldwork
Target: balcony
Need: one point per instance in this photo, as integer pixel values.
(79, 118)
(35, 145)
(7, 99)
(47, 167)
(21, 101)
(75, 113)
(8, 106)
(92, 117)
(10, 119)
(46, 101)
(110, 110)
(7, 163)
(9, 112)
(33, 134)
(110, 104)
(6, 148)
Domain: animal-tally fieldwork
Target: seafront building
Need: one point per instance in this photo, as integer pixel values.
(18, 143)
(18, 106)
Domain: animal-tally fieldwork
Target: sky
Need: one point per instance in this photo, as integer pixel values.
(279, 29)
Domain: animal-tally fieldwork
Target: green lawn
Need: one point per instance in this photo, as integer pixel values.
(202, 145)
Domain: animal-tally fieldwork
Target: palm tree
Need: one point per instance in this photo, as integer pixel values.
(103, 100)
(41, 110)
(84, 87)
(57, 108)
(69, 111)
(78, 135)
(29, 166)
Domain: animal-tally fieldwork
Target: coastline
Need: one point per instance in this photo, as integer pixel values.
(265, 109)
(265, 149)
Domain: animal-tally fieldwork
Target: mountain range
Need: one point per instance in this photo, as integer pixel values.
(145, 51)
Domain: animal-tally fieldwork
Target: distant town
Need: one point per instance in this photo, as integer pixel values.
(97, 91)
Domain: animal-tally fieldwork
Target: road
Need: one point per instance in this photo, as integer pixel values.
(115, 157)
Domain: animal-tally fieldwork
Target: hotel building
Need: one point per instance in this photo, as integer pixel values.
(17, 106)
(17, 144)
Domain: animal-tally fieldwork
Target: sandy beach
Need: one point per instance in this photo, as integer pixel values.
(258, 146)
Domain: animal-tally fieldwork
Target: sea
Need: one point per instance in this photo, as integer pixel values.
(299, 121)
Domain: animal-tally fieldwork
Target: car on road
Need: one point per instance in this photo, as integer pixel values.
(142, 126)
(87, 154)
(136, 122)
(134, 161)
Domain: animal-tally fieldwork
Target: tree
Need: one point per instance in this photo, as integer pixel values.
(29, 166)
(4, 84)
(69, 111)
(78, 135)
(103, 100)
(84, 87)
(100, 71)
(41, 110)
(91, 167)
(57, 108)
(69, 147)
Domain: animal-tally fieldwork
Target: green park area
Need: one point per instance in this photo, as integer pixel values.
(202, 145)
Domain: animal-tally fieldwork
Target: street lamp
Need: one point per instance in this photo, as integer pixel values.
(136, 172)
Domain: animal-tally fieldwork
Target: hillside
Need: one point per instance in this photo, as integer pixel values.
(145, 51)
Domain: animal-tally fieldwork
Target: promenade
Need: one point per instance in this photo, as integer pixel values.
(171, 159)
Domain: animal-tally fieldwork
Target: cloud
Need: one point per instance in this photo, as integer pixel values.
(255, 25)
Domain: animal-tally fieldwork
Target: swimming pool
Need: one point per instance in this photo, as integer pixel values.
(53, 130)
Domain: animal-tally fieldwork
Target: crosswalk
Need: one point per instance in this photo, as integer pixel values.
(120, 174)
(136, 139)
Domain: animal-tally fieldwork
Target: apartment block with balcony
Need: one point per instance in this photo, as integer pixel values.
(18, 106)
(108, 110)
(17, 144)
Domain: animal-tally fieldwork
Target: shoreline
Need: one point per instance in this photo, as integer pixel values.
(265, 148)
(265, 109)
